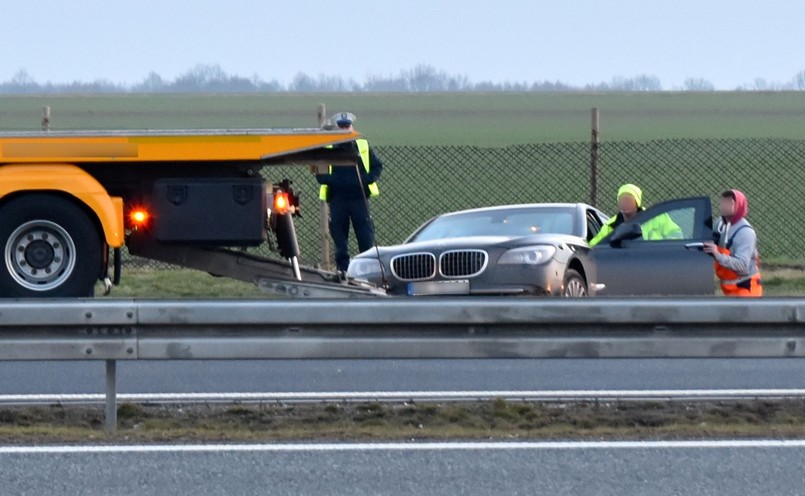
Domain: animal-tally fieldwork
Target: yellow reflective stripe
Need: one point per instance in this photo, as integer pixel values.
(324, 189)
(363, 151)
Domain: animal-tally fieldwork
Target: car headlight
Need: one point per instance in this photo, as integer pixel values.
(530, 255)
(363, 268)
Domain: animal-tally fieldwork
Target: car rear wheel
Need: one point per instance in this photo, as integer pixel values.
(574, 285)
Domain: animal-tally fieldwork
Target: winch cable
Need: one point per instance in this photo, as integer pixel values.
(371, 223)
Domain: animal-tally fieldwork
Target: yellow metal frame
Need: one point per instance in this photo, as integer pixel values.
(34, 161)
(72, 180)
(133, 146)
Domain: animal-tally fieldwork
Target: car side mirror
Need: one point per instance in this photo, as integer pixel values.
(625, 232)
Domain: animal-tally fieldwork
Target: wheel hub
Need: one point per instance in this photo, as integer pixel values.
(575, 289)
(40, 255)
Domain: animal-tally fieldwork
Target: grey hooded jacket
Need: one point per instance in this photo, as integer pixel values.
(743, 247)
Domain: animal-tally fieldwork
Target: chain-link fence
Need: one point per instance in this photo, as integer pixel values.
(420, 182)
(771, 172)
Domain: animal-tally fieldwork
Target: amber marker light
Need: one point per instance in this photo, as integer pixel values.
(281, 203)
(139, 217)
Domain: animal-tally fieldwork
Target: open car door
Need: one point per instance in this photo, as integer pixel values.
(657, 253)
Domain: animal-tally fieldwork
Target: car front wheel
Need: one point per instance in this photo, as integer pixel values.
(574, 285)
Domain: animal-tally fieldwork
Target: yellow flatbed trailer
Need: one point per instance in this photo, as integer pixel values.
(70, 200)
(222, 145)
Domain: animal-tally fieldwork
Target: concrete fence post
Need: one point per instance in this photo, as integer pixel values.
(324, 214)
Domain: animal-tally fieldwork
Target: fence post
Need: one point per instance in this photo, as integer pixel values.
(594, 158)
(46, 118)
(110, 420)
(324, 215)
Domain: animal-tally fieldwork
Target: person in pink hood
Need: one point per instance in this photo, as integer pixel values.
(736, 256)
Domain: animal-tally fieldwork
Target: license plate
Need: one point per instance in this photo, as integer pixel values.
(432, 288)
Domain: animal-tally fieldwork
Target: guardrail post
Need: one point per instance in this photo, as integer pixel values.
(110, 420)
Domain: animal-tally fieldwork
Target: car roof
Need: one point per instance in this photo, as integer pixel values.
(519, 206)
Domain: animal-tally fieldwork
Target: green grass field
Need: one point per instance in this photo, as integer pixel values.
(438, 119)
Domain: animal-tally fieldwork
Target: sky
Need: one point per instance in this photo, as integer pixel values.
(728, 42)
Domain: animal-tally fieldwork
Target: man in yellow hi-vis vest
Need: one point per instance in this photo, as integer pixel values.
(630, 203)
(348, 194)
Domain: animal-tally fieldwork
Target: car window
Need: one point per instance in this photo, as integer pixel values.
(508, 222)
(677, 223)
(593, 225)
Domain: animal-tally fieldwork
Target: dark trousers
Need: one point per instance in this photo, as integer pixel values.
(342, 212)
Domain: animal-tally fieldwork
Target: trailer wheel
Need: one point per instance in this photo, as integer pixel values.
(50, 248)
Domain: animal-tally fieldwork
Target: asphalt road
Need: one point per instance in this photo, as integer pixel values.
(356, 470)
(481, 468)
(401, 375)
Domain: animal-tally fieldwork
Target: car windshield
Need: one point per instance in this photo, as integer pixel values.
(513, 222)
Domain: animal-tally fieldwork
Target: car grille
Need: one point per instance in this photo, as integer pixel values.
(462, 263)
(414, 266)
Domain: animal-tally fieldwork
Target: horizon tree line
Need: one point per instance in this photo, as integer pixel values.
(422, 78)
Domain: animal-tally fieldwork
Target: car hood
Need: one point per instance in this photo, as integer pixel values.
(474, 242)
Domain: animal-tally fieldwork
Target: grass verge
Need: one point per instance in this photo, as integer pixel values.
(496, 419)
(180, 283)
(185, 283)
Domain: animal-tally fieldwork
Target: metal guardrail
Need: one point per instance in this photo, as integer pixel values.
(543, 396)
(114, 330)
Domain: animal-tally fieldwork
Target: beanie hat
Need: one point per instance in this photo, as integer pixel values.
(633, 191)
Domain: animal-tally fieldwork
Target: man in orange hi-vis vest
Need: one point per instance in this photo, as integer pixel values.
(736, 255)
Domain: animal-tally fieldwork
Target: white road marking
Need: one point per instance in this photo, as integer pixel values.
(412, 446)
(406, 395)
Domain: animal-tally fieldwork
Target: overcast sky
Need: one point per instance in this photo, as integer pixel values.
(729, 42)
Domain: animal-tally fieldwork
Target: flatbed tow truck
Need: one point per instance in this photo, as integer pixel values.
(71, 200)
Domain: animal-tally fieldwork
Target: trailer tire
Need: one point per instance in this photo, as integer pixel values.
(50, 248)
